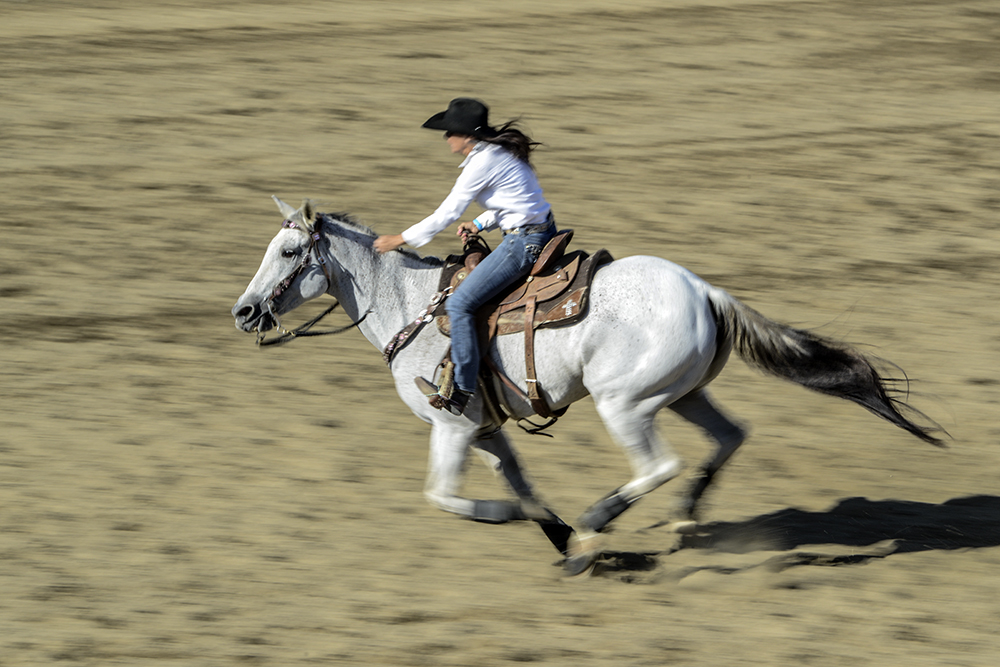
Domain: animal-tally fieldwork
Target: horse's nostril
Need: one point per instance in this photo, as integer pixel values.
(246, 312)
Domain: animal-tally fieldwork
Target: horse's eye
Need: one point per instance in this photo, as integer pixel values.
(291, 252)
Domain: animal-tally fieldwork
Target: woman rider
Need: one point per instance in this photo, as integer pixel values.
(496, 174)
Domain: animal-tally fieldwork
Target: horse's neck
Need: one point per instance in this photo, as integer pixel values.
(388, 290)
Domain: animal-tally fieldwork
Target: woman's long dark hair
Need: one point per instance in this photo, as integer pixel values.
(514, 140)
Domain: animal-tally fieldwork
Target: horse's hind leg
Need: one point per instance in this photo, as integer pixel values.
(699, 409)
(653, 462)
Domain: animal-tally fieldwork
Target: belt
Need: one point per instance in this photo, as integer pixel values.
(534, 229)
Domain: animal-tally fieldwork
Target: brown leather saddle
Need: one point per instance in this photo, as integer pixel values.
(554, 293)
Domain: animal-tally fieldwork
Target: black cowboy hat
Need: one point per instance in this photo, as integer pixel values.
(463, 116)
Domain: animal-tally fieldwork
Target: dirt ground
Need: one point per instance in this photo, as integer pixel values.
(170, 495)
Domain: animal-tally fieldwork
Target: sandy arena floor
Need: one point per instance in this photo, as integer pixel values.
(170, 495)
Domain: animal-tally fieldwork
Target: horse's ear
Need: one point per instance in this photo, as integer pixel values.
(308, 213)
(286, 209)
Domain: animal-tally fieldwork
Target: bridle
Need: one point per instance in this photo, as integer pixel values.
(313, 249)
(314, 238)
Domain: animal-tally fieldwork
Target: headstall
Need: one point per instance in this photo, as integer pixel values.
(313, 249)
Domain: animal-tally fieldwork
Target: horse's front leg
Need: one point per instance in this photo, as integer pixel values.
(502, 458)
(450, 441)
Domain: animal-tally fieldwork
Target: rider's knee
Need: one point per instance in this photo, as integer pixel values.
(456, 306)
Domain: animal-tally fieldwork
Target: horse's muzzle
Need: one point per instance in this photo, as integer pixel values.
(251, 317)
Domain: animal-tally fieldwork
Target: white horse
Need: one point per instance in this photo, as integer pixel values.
(655, 336)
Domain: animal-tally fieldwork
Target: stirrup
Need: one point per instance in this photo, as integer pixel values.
(430, 390)
(439, 395)
(448, 398)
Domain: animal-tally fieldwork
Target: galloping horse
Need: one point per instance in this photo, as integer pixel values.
(655, 336)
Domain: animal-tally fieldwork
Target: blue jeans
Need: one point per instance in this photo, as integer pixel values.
(512, 259)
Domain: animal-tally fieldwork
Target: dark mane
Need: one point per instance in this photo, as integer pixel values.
(349, 221)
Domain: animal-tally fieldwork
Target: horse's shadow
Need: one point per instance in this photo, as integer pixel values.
(894, 526)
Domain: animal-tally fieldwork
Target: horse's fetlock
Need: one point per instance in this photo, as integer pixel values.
(497, 511)
(605, 511)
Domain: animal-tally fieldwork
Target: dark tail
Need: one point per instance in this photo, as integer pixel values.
(813, 362)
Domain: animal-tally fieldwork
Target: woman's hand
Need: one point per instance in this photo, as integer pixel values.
(388, 243)
(466, 228)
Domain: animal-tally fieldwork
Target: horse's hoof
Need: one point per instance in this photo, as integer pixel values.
(581, 565)
(584, 550)
(683, 527)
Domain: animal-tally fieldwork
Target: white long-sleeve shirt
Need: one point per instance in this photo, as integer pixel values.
(497, 180)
